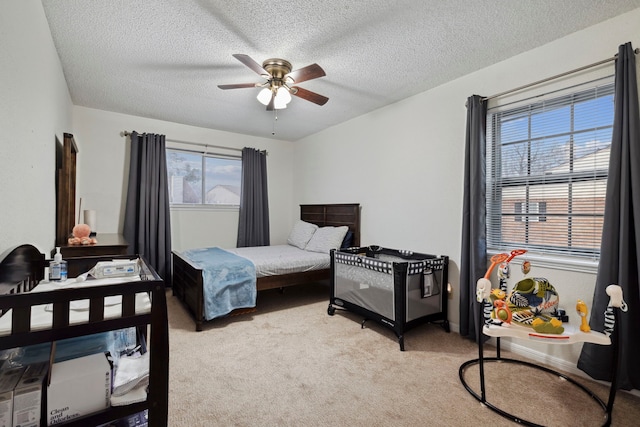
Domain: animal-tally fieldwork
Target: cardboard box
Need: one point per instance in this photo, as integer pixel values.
(27, 396)
(78, 387)
(9, 377)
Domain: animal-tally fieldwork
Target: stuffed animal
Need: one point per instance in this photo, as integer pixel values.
(81, 233)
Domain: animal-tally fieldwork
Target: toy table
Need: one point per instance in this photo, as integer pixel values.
(571, 335)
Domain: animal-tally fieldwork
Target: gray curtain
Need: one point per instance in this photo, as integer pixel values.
(147, 226)
(473, 260)
(253, 223)
(620, 235)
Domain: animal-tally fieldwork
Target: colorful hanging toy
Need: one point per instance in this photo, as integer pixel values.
(499, 310)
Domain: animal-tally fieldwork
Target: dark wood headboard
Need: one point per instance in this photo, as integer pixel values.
(334, 215)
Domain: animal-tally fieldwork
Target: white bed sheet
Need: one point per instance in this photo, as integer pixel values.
(42, 316)
(282, 259)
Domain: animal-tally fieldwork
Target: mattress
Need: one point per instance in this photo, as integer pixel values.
(283, 259)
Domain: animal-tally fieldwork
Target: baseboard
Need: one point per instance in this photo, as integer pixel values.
(454, 327)
(541, 358)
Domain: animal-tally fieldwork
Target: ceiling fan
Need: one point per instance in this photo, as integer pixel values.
(277, 89)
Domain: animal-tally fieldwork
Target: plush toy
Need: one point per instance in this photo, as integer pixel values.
(81, 234)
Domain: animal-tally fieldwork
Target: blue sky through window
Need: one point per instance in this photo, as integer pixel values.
(537, 139)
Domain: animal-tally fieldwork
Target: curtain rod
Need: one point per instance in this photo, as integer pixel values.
(127, 133)
(557, 76)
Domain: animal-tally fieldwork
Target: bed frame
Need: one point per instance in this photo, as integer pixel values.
(187, 279)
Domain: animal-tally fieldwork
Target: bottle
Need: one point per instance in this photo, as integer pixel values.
(58, 267)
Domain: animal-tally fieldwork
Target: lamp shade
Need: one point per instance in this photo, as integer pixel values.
(283, 97)
(264, 96)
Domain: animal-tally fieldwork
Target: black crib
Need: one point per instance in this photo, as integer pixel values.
(398, 289)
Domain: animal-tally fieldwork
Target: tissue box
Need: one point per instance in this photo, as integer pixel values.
(8, 379)
(27, 395)
(78, 387)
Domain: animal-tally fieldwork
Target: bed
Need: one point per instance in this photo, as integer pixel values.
(187, 276)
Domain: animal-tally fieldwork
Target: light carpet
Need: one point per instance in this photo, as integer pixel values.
(291, 364)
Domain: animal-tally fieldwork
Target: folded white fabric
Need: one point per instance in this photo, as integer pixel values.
(131, 373)
(138, 394)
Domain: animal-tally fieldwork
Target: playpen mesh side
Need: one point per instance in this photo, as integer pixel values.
(416, 305)
(369, 283)
(366, 288)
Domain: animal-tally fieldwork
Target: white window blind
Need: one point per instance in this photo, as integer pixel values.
(547, 167)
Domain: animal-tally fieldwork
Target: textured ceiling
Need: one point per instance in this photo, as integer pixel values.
(164, 59)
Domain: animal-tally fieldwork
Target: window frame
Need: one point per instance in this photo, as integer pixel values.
(550, 254)
(204, 155)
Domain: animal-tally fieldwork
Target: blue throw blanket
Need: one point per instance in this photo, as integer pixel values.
(229, 280)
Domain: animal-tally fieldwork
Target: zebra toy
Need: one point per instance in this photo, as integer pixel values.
(615, 295)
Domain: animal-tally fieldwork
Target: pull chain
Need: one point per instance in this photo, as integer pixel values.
(275, 119)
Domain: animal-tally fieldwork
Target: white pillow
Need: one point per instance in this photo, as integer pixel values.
(327, 238)
(301, 234)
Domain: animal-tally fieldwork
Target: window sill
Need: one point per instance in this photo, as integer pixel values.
(201, 207)
(566, 263)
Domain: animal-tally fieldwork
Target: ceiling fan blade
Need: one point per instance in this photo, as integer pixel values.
(308, 95)
(237, 86)
(309, 72)
(249, 62)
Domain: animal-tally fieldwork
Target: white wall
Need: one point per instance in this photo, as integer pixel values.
(103, 167)
(404, 162)
(35, 108)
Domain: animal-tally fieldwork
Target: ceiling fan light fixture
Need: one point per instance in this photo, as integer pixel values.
(283, 97)
(264, 96)
(277, 89)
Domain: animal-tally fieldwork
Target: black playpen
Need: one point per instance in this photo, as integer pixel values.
(396, 288)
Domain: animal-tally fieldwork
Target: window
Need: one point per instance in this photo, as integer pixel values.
(534, 208)
(547, 167)
(203, 179)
